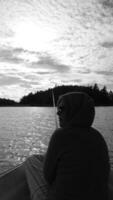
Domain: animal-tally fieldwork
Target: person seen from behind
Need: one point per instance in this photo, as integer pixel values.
(76, 165)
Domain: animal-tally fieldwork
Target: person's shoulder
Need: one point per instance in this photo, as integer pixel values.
(95, 132)
(96, 135)
(58, 132)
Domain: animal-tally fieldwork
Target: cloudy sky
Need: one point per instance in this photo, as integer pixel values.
(44, 43)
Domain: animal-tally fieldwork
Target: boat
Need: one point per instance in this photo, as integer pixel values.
(13, 185)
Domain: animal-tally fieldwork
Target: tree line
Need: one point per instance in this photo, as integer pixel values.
(44, 98)
(8, 102)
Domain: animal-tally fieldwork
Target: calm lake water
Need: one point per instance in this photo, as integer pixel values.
(26, 130)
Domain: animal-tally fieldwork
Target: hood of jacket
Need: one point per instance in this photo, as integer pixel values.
(79, 109)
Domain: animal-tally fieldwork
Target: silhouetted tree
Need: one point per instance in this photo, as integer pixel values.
(7, 102)
(44, 98)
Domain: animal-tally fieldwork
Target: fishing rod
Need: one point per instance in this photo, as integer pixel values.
(54, 106)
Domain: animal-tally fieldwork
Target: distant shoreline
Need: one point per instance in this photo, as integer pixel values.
(101, 97)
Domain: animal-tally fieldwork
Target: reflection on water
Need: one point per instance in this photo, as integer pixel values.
(23, 131)
(104, 123)
(26, 130)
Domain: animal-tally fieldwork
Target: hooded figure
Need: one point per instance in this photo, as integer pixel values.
(76, 164)
(79, 109)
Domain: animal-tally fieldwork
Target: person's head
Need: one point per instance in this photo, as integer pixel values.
(75, 109)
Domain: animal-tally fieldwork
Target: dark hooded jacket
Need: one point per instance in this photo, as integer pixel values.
(76, 164)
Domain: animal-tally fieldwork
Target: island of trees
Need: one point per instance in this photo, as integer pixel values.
(44, 98)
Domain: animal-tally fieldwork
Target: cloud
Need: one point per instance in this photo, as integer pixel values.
(30, 84)
(10, 55)
(6, 80)
(106, 73)
(21, 79)
(107, 3)
(41, 62)
(6, 33)
(46, 73)
(83, 71)
(21, 84)
(71, 81)
(107, 44)
(47, 62)
(18, 50)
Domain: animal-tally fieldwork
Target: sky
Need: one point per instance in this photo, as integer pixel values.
(44, 43)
